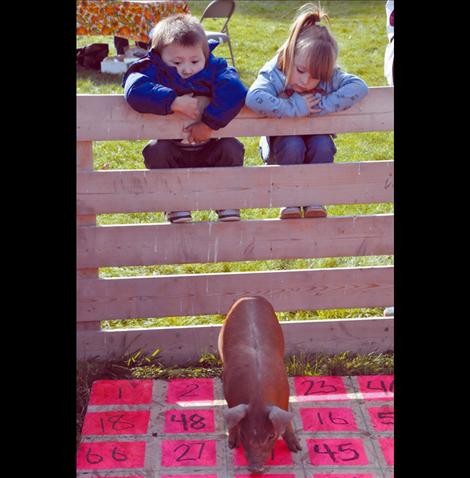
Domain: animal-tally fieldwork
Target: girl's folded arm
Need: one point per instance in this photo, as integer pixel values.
(263, 98)
(348, 90)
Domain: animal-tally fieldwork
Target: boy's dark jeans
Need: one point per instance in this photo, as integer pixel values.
(164, 154)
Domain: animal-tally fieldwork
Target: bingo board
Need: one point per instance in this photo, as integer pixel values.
(175, 429)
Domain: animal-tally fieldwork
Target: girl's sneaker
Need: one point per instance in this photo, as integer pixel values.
(178, 216)
(291, 212)
(226, 215)
(315, 211)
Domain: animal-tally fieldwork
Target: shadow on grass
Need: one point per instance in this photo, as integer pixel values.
(97, 78)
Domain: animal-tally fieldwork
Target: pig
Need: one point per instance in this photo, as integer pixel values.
(251, 346)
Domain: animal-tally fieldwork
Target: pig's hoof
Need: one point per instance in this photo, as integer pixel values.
(292, 443)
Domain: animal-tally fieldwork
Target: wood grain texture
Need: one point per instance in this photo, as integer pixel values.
(109, 117)
(207, 294)
(120, 191)
(179, 345)
(203, 242)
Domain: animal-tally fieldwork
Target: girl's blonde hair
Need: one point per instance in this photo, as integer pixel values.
(183, 29)
(313, 40)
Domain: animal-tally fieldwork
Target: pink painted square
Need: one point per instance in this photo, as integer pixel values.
(121, 392)
(281, 455)
(116, 423)
(109, 455)
(188, 476)
(346, 475)
(189, 421)
(376, 387)
(189, 453)
(328, 419)
(190, 390)
(267, 475)
(309, 389)
(382, 418)
(337, 452)
(388, 448)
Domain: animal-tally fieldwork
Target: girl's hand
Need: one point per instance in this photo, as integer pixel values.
(198, 132)
(186, 105)
(311, 103)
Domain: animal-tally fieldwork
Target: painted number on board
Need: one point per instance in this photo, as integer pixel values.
(196, 422)
(318, 386)
(192, 452)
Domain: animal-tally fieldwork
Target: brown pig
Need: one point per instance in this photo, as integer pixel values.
(251, 346)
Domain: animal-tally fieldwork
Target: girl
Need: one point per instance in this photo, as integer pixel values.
(303, 79)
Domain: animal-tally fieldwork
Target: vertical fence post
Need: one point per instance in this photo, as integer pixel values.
(85, 329)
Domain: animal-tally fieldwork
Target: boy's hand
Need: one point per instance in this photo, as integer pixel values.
(198, 132)
(186, 105)
(190, 106)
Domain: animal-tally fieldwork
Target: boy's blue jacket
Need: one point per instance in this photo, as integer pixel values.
(150, 86)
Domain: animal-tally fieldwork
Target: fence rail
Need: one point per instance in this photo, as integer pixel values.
(109, 118)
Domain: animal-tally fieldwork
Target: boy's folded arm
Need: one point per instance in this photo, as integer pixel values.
(263, 98)
(146, 96)
(348, 90)
(228, 98)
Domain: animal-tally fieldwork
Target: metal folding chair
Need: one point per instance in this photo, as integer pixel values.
(220, 9)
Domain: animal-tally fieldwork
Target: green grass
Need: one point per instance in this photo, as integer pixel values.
(257, 29)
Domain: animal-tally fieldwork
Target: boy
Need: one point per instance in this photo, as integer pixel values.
(180, 74)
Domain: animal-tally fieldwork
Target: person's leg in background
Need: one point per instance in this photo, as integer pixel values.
(143, 45)
(120, 44)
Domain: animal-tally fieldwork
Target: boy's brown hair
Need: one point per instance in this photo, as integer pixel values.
(311, 39)
(183, 29)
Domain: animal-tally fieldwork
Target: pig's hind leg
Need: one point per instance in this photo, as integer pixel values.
(291, 440)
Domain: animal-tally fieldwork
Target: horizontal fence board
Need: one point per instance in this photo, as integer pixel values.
(121, 191)
(203, 242)
(206, 294)
(179, 345)
(109, 117)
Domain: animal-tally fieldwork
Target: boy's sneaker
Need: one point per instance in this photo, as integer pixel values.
(315, 211)
(226, 215)
(291, 212)
(178, 216)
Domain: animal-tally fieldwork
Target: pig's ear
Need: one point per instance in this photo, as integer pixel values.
(280, 419)
(234, 415)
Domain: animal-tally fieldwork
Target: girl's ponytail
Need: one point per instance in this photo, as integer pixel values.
(308, 16)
